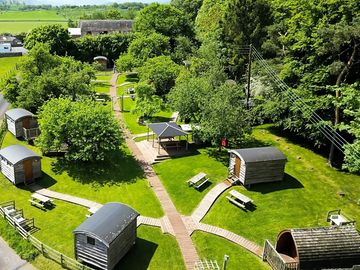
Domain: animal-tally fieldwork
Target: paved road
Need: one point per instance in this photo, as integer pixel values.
(9, 260)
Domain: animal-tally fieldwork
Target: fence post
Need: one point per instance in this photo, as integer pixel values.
(61, 260)
(42, 249)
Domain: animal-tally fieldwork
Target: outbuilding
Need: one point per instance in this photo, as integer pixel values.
(5, 47)
(106, 236)
(22, 123)
(19, 164)
(98, 27)
(315, 248)
(257, 165)
(102, 61)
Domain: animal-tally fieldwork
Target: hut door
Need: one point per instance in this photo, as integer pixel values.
(237, 166)
(26, 122)
(28, 170)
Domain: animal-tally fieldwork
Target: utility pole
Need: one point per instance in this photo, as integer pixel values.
(249, 77)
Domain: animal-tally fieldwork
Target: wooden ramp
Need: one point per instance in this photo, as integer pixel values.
(209, 199)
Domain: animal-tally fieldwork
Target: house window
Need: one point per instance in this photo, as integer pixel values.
(90, 240)
(6, 48)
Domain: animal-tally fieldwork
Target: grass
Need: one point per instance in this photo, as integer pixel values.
(23, 26)
(7, 64)
(101, 87)
(153, 250)
(118, 179)
(309, 190)
(214, 248)
(33, 15)
(175, 172)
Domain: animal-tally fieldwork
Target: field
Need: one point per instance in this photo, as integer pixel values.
(7, 64)
(23, 21)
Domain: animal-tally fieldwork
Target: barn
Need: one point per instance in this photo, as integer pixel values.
(22, 123)
(256, 165)
(106, 236)
(19, 164)
(97, 27)
(315, 248)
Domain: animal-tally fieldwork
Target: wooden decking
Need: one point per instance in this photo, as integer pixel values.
(208, 200)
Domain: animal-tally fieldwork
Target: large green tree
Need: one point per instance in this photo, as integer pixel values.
(87, 129)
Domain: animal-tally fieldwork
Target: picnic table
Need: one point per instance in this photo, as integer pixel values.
(19, 219)
(338, 220)
(239, 199)
(9, 210)
(40, 200)
(198, 180)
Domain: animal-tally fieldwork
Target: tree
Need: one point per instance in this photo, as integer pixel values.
(160, 72)
(164, 19)
(87, 128)
(126, 62)
(147, 103)
(189, 7)
(55, 35)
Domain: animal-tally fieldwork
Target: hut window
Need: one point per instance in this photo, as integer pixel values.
(90, 240)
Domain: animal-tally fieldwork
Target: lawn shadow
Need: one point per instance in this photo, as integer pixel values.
(204, 186)
(288, 182)
(139, 257)
(119, 167)
(46, 181)
(159, 119)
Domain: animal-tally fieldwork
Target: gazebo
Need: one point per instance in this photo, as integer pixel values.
(315, 248)
(167, 131)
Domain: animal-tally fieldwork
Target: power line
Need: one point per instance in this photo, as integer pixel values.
(327, 130)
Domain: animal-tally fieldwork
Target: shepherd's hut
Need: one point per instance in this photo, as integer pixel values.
(19, 164)
(315, 248)
(256, 165)
(22, 123)
(106, 236)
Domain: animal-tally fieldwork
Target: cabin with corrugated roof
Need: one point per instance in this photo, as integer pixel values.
(22, 123)
(19, 164)
(105, 237)
(256, 165)
(314, 248)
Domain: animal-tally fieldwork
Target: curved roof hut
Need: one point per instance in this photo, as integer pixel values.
(19, 164)
(106, 236)
(257, 165)
(320, 248)
(22, 123)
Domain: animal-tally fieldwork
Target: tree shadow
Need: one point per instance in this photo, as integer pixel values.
(288, 182)
(46, 181)
(139, 257)
(118, 167)
(159, 119)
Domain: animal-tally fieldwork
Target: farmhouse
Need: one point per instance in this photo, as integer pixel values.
(19, 164)
(106, 236)
(22, 123)
(257, 165)
(315, 248)
(97, 27)
(14, 42)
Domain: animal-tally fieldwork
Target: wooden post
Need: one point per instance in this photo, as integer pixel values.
(249, 78)
(159, 140)
(122, 103)
(42, 249)
(62, 260)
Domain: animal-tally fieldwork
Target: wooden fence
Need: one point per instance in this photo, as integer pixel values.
(45, 250)
(274, 259)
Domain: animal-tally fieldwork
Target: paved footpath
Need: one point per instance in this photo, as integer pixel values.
(9, 260)
(182, 236)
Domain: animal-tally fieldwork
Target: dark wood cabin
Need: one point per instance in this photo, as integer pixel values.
(19, 164)
(22, 123)
(106, 236)
(315, 248)
(257, 165)
(98, 27)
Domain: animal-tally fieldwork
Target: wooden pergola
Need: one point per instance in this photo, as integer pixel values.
(166, 130)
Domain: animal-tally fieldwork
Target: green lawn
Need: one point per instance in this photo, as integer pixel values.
(38, 15)
(23, 26)
(309, 190)
(118, 179)
(213, 247)
(101, 87)
(7, 64)
(175, 172)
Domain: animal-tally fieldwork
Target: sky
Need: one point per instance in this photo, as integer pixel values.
(87, 2)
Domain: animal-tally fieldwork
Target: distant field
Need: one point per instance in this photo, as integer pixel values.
(23, 21)
(7, 64)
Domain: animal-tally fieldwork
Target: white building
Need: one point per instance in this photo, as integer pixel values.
(5, 47)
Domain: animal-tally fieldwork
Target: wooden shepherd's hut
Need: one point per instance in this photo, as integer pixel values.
(22, 123)
(19, 164)
(106, 236)
(257, 165)
(315, 248)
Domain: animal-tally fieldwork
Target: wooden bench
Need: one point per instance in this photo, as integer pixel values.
(38, 204)
(198, 180)
(239, 199)
(232, 200)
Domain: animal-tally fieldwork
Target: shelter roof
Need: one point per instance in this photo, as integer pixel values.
(258, 154)
(18, 113)
(16, 153)
(167, 129)
(100, 58)
(108, 222)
